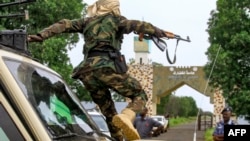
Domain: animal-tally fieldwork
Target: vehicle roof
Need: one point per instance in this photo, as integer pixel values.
(23, 57)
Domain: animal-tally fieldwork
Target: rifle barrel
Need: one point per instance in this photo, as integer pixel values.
(187, 40)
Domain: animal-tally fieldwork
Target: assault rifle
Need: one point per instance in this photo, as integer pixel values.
(162, 45)
(15, 39)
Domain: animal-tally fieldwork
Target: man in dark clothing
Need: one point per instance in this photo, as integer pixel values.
(218, 134)
(144, 125)
(104, 67)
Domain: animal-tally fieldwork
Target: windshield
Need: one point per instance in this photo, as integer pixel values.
(59, 109)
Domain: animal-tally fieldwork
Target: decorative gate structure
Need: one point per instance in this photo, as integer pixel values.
(160, 81)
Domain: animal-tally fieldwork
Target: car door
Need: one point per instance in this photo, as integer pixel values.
(11, 127)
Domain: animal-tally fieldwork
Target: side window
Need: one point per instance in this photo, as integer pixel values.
(8, 130)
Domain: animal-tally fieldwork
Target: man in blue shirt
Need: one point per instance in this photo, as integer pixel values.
(218, 134)
(144, 125)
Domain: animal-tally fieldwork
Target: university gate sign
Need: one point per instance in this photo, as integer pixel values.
(160, 81)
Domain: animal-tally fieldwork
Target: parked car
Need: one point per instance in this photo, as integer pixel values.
(162, 120)
(100, 121)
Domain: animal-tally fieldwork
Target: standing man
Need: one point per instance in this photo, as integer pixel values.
(103, 66)
(144, 125)
(218, 134)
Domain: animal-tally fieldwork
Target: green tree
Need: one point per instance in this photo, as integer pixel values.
(161, 108)
(51, 52)
(228, 29)
(193, 107)
(181, 106)
(173, 105)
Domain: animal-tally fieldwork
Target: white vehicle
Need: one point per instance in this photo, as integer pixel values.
(162, 120)
(100, 121)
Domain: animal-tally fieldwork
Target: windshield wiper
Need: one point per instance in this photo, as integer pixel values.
(68, 135)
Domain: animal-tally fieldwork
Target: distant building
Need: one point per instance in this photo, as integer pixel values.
(142, 50)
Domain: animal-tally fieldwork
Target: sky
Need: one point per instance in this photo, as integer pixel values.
(181, 17)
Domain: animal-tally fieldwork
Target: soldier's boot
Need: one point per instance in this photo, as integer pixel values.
(125, 120)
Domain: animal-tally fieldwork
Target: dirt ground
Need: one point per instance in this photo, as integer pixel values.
(183, 132)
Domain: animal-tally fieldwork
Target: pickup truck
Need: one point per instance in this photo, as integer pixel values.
(35, 102)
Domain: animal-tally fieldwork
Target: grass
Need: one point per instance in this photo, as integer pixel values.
(208, 134)
(180, 120)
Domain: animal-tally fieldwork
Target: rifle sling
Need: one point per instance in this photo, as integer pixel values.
(167, 54)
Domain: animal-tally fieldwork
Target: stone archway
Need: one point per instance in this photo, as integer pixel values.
(159, 81)
(168, 79)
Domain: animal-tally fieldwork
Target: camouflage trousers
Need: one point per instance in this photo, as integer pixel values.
(99, 81)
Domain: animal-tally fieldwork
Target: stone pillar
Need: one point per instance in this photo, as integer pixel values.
(144, 74)
(219, 104)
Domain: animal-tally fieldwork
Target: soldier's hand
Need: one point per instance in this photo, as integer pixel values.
(35, 38)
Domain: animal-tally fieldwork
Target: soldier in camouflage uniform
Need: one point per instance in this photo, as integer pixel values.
(104, 67)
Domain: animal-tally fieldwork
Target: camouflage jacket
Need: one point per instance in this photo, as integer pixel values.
(93, 35)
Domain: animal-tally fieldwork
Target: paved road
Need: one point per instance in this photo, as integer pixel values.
(183, 132)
